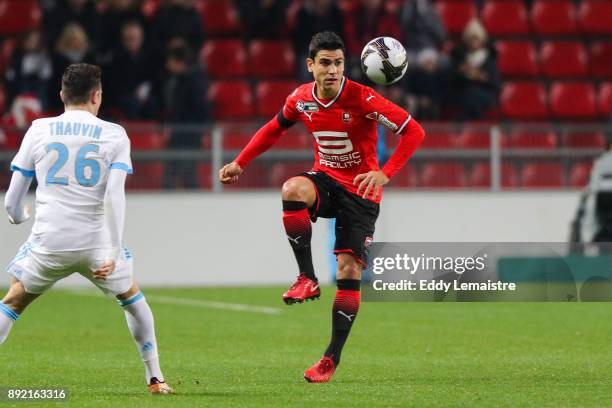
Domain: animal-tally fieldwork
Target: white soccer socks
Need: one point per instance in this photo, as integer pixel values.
(7, 318)
(140, 322)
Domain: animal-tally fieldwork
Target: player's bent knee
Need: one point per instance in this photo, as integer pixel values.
(298, 189)
(348, 267)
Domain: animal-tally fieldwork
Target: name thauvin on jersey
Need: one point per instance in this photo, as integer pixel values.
(75, 129)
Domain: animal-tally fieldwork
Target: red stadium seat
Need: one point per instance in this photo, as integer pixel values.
(149, 8)
(205, 176)
(553, 17)
(471, 138)
(524, 100)
(604, 99)
(236, 139)
(295, 138)
(594, 17)
(579, 174)
(147, 176)
(529, 139)
(145, 135)
(271, 95)
(19, 16)
(563, 59)
(517, 58)
(505, 17)
(542, 175)
(261, 52)
(455, 14)
(601, 58)
(582, 140)
(443, 175)
(224, 58)
(281, 172)
(219, 17)
(435, 140)
(231, 99)
(256, 175)
(406, 177)
(573, 100)
(480, 176)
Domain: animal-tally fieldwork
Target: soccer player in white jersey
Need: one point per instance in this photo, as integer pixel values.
(81, 163)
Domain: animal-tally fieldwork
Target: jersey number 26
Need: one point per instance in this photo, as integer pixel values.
(81, 163)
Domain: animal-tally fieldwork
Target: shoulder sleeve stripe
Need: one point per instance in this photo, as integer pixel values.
(283, 121)
(122, 166)
(25, 172)
(403, 125)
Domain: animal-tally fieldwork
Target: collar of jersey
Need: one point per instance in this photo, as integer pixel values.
(330, 103)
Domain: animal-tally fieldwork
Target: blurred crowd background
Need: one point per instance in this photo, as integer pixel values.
(174, 70)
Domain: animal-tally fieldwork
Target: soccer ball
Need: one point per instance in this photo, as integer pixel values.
(384, 60)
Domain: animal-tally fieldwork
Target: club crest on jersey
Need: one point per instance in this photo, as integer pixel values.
(346, 117)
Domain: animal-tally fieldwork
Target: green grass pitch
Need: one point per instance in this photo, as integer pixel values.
(399, 354)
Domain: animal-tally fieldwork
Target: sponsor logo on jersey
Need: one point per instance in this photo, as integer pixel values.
(336, 150)
(382, 120)
(307, 106)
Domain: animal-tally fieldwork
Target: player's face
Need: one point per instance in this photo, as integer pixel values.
(327, 70)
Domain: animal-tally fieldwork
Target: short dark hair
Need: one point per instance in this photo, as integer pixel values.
(327, 40)
(181, 53)
(78, 81)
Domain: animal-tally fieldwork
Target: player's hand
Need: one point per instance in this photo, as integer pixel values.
(106, 269)
(370, 183)
(27, 213)
(229, 173)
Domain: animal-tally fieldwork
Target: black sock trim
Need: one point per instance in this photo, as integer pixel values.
(348, 284)
(294, 205)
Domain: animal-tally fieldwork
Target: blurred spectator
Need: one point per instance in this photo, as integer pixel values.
(365, 20)
(427, 86)
(72, 46)
(63, 12)
(474, 79)
(262, 18)
(422, 27)
(129, 78)
(184, 105)
(29, 69)
(314, 16)
(177, 19)
(116, 14)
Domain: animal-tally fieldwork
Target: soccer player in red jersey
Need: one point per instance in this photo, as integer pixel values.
(345, 182)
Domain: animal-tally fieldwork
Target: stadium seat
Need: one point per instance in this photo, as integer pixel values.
(435, 140)
(505, 17)
(601, 59)
(579, 174)
(531, 139)
(455, 14)
(236, 138)
(542, 175)
(262, 51)
(271, 95)
(147, 176)
(443, 175)
(573, 100)
(480, 176)
(517, 58)
(224, 58)
(406, 177)
(295, 138)
(149, 8)
(560, 59)
(474, 138)
(256, 176)
(205, 176)
(19, 16)
(585, 140)
(553, 17)
(594, 17)
(281, 172)
(219, 17)
(145, 135)
(231, 99)
(604, 99)
(524, 100)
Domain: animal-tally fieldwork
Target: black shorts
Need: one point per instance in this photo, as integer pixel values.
(355, 216)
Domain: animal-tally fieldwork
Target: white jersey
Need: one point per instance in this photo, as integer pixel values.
(71, 156)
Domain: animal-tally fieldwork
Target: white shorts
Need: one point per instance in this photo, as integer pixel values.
(39, 270)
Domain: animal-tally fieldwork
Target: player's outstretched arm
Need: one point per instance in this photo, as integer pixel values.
(17, 211)
(411, 137)
(265, 138)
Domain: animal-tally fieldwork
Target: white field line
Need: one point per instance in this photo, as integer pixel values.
(209, 304)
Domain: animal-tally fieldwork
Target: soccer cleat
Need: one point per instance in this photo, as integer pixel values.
(321, 372)
(303, 289)
(159, 387)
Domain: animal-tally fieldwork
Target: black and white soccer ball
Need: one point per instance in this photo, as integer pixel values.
(384, 60)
